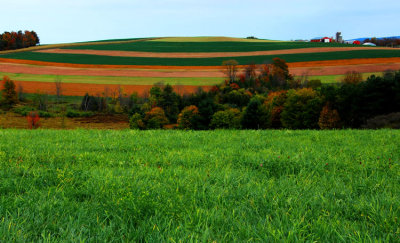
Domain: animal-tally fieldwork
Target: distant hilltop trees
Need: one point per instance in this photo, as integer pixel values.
(17, 40)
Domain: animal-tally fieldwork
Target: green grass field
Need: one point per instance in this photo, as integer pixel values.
(111, 60)
(201, 81)
(224, 186)
(185, 45)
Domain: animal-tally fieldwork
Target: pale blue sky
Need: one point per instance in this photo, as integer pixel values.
(86, 20)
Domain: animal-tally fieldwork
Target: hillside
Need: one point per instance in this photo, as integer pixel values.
(193, 61)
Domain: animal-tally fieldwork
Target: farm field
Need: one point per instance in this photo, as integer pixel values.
(88, 185)
(185, 61)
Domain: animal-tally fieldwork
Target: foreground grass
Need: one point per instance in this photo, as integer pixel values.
(86, 185)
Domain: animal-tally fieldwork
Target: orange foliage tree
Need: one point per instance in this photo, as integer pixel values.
(329, 119)
(188, 117)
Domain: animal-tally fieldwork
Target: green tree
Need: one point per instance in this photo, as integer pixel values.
(155, 118)
(255, 115)
(301, 109)
(227, 119)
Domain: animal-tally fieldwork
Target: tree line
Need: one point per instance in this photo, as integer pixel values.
(255, 97)
(17, 40)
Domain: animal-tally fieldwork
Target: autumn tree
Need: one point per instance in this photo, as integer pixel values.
(9, 94)
(230, 69)
(352, 77)
(329, 118)
(188, 118)
(155, 118)
(274, 104)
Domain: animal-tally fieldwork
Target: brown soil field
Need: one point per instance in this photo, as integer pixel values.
(312, 70)
(72, 89)
(50, 70)
(291, 65)
(11, 120)
(205, 54)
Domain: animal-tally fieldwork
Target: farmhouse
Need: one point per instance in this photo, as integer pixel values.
(322, 39)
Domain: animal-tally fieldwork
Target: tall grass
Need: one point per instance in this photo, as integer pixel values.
(225, 186)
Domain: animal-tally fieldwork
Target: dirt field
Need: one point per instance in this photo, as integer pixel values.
(11, 120)
(95, 89)
(206, 54)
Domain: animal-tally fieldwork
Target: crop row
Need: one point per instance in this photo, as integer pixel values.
(107, 60)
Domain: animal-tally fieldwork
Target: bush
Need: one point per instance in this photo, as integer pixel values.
(391, 120)
(228, 119)
(24, 111)
(136, 122)
(274, 104)
(188, 118)
(73, 113)
(155, 118)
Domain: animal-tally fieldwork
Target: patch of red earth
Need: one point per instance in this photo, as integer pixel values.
(317, 70)
(72, 89)
(206, 54)
(48, 70)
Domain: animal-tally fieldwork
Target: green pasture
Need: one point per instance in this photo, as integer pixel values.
(210, 39)
(201, 81)
(328, 79)
(110, 60)
(199, 46)
(177, 186)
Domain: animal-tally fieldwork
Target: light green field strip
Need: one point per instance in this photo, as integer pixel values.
(325, 79)
(201, 81)
(210, 39)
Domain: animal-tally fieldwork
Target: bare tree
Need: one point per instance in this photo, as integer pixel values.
(230, 69)
(21, 96)
(58, 83)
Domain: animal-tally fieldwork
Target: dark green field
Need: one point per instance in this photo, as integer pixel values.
(110, 60)
(224, 186)
(162, 46)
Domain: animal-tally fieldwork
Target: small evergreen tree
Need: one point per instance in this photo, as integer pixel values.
(9, 94)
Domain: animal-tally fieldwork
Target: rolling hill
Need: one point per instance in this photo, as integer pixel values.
(188, 62)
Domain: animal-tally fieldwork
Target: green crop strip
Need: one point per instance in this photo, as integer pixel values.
(107, 60)
(223, 186)
(201, 81)
(162, 46)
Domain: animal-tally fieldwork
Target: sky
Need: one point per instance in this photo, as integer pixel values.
(88, 20)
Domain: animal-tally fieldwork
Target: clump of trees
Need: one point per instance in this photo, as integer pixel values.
(17, 40)
(388, 42)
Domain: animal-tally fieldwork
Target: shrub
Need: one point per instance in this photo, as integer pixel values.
(391, 120)
(155, 118)
(301, 109)
(188, 118)
(329, 119)
(33, 119)
(227, 119)
(25, 110)
(352, 78)
(73, 113)
(136, 122)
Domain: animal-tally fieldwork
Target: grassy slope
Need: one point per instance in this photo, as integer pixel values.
(210, 39)
(223, 186)
(106, 60)
(113, 80)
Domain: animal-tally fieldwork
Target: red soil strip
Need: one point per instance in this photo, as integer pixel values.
(48, 70)
(206, 54)
(317, 70)
(296, 64)
(72, 89)
(340, 70)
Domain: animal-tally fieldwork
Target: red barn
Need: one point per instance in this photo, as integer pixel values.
(356, 42)
(327, 40)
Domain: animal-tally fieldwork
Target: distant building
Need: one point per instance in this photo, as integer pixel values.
(327, 40)
(356, 42)
(339, 37)
(369, 44)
